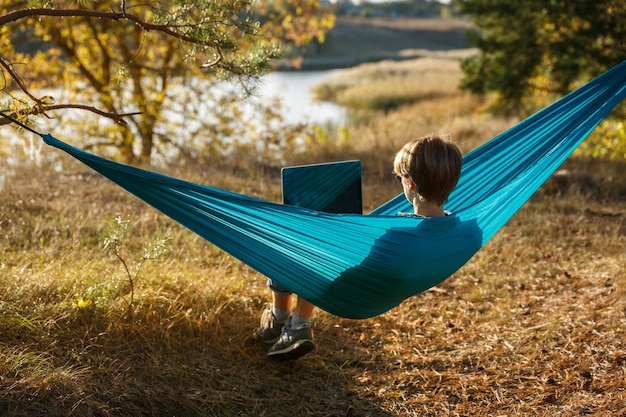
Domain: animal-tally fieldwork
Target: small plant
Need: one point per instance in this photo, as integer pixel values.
(608, 141)
(118, 230)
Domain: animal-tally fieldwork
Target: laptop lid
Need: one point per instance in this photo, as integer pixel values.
(332, 187)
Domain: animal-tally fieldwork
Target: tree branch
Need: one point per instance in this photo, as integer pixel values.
(167, 29)
(40, 109)
(8, 67)
(117, 117)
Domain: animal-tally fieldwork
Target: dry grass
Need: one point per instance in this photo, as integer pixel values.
(387, 85)
(533, 325)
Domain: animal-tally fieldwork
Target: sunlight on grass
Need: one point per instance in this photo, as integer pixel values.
(388, 85)
(36, 369)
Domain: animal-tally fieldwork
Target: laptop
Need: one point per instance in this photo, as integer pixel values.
(332, 187)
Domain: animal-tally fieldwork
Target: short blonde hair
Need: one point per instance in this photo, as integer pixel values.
(433, 163)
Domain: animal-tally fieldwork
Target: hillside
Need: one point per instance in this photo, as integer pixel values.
(356, 40)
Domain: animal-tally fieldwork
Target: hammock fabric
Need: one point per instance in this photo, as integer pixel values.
(359, 266)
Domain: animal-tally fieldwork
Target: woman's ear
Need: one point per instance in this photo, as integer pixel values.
(412, 185)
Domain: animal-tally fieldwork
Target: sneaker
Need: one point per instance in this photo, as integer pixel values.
(270, 329)
(293, 343)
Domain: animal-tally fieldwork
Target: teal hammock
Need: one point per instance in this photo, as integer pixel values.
(359, 266)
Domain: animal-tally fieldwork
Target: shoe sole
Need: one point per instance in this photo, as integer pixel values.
(298, 349)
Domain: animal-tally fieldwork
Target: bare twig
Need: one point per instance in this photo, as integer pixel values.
(8, 67)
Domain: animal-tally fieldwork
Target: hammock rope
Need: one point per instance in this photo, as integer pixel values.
(359, 266)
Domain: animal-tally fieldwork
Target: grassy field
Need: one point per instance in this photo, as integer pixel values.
(533, 325)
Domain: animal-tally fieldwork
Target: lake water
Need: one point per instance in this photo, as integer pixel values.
(294, 89)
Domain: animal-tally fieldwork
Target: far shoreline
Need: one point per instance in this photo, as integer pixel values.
(322, 64)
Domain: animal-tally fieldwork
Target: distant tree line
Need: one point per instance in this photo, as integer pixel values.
(408, 8)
